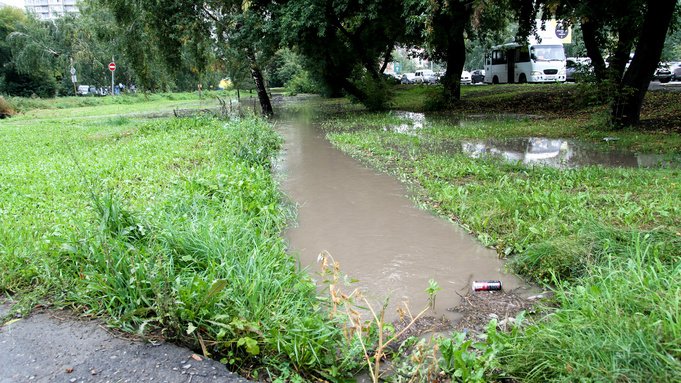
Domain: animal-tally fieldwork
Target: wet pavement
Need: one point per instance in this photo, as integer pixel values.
(367, 222)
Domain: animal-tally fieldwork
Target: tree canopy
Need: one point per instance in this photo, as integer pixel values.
(342, 45)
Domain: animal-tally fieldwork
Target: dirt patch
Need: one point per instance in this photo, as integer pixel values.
(423, 326)
(479, 307)
(476, 310)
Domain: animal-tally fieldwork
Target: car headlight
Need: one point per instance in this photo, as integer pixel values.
(561, 72)
(536, 73)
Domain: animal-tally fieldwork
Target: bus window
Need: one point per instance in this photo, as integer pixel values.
(548, 53)
(498, 57)
(523, 54)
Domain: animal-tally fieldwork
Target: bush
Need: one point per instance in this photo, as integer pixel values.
(301, 83)
(23, 85)
(6, 109)
(377, 91)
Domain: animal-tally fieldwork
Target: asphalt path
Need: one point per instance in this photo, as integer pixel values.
(55, 346)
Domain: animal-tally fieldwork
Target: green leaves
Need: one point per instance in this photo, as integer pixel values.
(250, 344)
(469, 360)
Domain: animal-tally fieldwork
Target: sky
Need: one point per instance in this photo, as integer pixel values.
(16, 3)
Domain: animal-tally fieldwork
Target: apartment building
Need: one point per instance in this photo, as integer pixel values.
(51, 9)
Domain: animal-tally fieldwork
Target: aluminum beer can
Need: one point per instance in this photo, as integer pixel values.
(486, 285)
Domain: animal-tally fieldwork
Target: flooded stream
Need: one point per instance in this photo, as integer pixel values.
(366, 221)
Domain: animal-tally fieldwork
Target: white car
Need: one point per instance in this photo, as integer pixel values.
(425, 76)
(466, 77)
(83, 90)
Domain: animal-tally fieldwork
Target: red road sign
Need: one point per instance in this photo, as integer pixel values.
(112, 66)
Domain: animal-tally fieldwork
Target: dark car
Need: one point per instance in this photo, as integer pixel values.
(406, 80)
(662, 74)
(477, 76)
(570, 69)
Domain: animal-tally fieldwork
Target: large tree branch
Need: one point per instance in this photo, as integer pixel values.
(386, 57)
(593, 48)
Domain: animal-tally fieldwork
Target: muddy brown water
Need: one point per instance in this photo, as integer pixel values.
(367, 222)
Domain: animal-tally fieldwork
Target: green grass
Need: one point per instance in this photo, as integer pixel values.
(622, 322)
(457, 125)
(167, 227)
(25, 104)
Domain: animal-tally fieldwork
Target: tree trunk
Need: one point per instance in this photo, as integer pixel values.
(626, 36)
(626, 109)
(593, 49)
(456, 58)
(259, 81)
(355, 43)
(455, 18)
(352, 89)
(386, 58)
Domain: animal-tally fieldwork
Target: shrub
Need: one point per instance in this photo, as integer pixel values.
(378, 94)
(6, 109)
(302, 82)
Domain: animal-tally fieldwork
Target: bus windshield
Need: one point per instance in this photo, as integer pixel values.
(547, 53)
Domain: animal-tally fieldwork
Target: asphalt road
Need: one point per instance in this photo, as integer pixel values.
(52, 346)
(673, 86)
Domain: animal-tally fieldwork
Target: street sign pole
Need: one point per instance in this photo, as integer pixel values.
(74, 79)
(112, 68)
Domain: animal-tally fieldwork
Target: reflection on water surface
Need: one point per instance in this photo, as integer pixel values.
(555, 152)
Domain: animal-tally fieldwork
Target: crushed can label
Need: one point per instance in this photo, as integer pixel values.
(486, 285)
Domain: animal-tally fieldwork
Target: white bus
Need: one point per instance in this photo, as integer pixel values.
(516, 63)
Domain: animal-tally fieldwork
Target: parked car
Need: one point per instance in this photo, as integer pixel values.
(408, 78)
(676, 74)
(478, 76)
(570, 69)
(83, 90)
(465, 77)
(663, 74)
(425, 76)
(576, 66)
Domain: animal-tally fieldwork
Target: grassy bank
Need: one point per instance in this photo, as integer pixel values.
(606, 238)
(169, 228)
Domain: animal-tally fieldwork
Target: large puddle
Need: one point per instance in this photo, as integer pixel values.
(560, 153)
(554, 152)
(366, 221)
